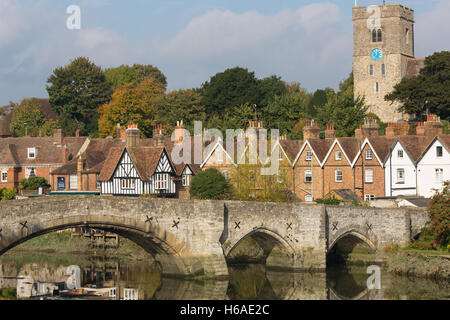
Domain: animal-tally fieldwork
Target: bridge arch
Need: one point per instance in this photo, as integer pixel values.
(267, 240)
(358, 236)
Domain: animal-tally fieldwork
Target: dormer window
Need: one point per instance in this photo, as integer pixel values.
(31, 153)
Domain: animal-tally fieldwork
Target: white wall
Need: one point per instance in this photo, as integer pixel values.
(409, 187)
(426, 175)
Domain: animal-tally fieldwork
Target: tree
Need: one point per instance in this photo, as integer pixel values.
(439, 209)
(76, 92)
(342, 110)
(228, 89)
(134, 74)
(34, 183)
(180, 105)
(431, 85)
(270, 87)
(131, 104)
(210, 185)
(27, 119)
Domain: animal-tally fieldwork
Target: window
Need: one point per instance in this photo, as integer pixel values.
(400, 153)
(4, 175)
(369, 197)
(338, 175)
(161, 181)
(383, 69)
(98, 184)
(338, 155)
(371, 70)
(377, 87)
(439, 175)
(407, 35)
(280, 155)
(400, 175)
(308, 155)
(30, 172)
(219, 156)
(308, 176)
(73, 182)
(127, 184)
(379, 35)
(31, 153)
(186, 178)
(439, 151)
(369, 175)
(374, 35)
(308, 198)
(369, 154)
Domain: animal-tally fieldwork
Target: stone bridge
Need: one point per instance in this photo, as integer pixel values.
(192, 237)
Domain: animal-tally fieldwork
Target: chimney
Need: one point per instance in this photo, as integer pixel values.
(158, 136)
(359, 133)
(179, 132)
(58, 136)
(77, 133)
(133, 136)
(311, 130)
(64, 154)
(80, 167)
(370, 128)
(391, 130)
(433, 125)
(420, 129)
(121, 133)
(253, 128)
(330, 133)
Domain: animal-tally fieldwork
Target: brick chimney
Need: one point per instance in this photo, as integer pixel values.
(133, 136)
(64, 154)
(253, 128)
(80, 167)
(391, 130)
(359, 133)
(420, 129)
(370, 127)
(179, 132)
(433, 125)
(330, 133)
(311, 130)
(121, 133)
(58, 136)
(158, 136)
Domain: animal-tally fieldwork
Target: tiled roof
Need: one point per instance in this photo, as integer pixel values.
(350, 146)
(321, 147)
(291, 147)
(382, 146)
(415, 145)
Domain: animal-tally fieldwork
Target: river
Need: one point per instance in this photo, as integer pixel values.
(45, 276)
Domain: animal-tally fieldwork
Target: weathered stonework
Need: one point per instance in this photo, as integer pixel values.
(194, 238)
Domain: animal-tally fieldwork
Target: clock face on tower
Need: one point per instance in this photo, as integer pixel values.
(376, 55)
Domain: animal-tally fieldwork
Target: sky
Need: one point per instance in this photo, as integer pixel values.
(305, 41)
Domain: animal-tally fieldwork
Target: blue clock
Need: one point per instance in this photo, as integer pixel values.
(376, 55)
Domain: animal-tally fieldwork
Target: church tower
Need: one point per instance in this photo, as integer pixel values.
(383, 39)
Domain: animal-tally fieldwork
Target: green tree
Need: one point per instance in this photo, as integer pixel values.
(439, 209)
(429, 89)
(228, 89)
(210, 184)
(8, 194)
(270, 87)
(180, 105)
(34, 183)
(76, 92)
(28, 119)
(342, 110)
(133, 74)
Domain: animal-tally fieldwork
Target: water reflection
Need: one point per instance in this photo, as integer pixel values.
(102, 278)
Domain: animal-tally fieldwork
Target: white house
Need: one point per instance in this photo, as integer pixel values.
(433, 167)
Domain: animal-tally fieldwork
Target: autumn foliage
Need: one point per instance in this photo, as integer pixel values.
(131, 104)
(440, 216)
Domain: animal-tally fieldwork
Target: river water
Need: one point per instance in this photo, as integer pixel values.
(29, 276)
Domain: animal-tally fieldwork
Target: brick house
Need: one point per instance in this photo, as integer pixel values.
(24, 157)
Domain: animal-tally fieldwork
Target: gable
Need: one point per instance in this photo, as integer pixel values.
(164, 165)
(125, 168)
(187, 170)
(393, 155)
(362, 154)
(330, 157)
(301, 156)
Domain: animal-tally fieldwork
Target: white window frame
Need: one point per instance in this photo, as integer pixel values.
(28, 172)
(337, 175)
(439, 152)
(309, 198)
(308, 173)
(31, 153)
(73, 178)
(127, 184)
(4, 175)
(186, 179)
(400, 176)
(161, 181)
(400, 154)
(338, 155)
(439, 175)
(369, 177)
(369, 197)
(369, 154)
(220, 156)
(309, 155)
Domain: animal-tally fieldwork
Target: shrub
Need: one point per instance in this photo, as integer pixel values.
(439, 209)
(34, 183)
(8, 194)
(210, 184)
(329, 201)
